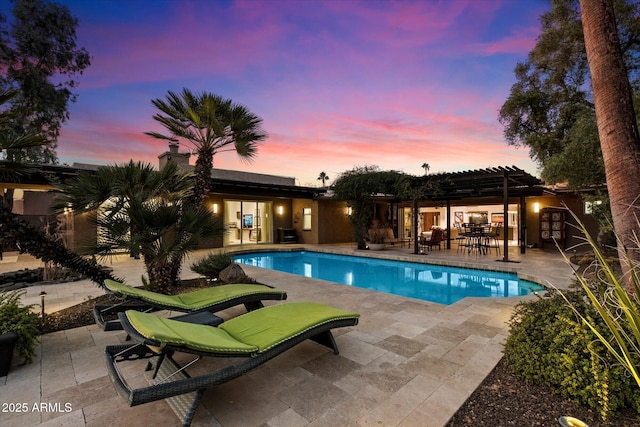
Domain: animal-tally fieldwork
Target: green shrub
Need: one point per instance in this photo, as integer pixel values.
(18, 318)
(211, 265)
(549, 345)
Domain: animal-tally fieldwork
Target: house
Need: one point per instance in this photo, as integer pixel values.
(261, 208)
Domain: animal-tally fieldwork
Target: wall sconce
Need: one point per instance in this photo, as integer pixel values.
(280, 210)
(215, 208)
(536, 207)
(349, 210)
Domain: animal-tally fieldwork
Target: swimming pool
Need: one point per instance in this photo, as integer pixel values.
(440, 284)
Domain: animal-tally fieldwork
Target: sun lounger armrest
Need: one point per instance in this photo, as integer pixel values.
(126, 351)
(149, 393)
(100, 312)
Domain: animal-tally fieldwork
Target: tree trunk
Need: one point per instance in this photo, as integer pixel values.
(160, 276)
(202, 176)
(616, 119)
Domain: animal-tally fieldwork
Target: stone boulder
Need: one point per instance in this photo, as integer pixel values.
(232, 274)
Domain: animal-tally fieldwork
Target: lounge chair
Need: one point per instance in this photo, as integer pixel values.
(255, 337)
(199, 305)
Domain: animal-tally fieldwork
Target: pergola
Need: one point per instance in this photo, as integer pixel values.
(506, 182)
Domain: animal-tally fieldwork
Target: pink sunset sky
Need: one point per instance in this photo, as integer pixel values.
(338, 83)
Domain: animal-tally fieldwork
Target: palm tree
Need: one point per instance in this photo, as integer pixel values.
(323, 177)
(212, 124)
(617, 126)
(135, 206)
(426, 168)
(13, 228)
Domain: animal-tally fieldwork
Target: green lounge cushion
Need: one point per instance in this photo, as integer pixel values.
(254, 332)
(267, 327)
(193, 336)
(196, 300)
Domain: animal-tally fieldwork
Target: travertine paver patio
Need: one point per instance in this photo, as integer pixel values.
(408, 362)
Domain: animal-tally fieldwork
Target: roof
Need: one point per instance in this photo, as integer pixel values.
(46, 176)
(228, 186)
(443, 186)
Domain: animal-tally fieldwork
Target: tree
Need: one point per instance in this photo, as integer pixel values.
(426, 168)
(10, 141)
(550, 108)
(13, 228)
(212, 124)
(39, 58)
(135, 206)
(617, 126)
(357, 187)
(323, 177)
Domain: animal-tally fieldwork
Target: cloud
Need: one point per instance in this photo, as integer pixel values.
(337, 83)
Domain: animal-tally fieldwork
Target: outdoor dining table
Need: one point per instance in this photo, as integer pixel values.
(476, 236)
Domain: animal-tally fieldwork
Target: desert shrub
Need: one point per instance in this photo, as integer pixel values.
(18, 318)
(211, 265)
(549, 345)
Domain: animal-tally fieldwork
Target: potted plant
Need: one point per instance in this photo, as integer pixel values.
(377, 235)
(18, 330)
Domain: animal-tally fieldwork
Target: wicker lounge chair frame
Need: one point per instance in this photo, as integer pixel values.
(250, 300)
(181, 383)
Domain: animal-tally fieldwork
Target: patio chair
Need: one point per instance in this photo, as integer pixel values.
(462, 239)
(435, 240)
(254, 338)
(492, 238)
(198, 305)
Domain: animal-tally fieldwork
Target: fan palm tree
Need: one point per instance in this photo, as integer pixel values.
(323, 177)
(212, 124)
(13, 228)
(136, 207)
(426, 168)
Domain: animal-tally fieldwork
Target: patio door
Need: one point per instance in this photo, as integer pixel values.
(248, 222)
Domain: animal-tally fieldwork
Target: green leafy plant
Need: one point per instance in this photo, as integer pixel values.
(143, 210)
(18, 318)
(211, 265)
(617, 305)
(549, 345)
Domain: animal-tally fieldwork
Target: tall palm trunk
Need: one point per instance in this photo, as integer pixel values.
(616, 119)
(33, 241)
(202, 176)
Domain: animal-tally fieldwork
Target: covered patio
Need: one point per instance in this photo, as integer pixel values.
(504, 185)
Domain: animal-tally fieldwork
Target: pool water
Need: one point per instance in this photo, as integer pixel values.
(435, 283)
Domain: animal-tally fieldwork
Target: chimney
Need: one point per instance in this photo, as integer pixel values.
(181, 159)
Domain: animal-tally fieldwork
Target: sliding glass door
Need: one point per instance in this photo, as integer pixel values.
(248, 222)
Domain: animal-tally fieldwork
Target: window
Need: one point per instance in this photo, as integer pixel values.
(306, 219)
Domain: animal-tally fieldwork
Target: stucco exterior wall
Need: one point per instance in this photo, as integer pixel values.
(572, 234)
(333, 223)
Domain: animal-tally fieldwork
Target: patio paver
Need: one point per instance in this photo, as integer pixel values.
(408, 362)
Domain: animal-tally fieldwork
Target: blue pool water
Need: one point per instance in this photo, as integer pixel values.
(441, 284)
